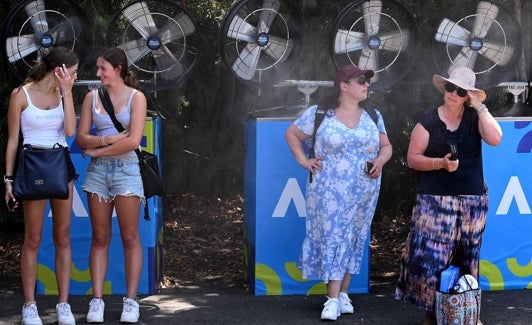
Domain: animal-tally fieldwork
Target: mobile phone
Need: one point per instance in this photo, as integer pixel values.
(11, 204)
(454, 152)
(369, 166)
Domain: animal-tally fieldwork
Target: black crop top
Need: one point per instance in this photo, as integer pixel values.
(468, 179)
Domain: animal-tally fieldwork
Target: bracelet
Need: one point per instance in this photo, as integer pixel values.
(9, 178)
(102, 140)
(482, 109)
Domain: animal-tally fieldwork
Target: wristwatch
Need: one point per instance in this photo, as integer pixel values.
(482, 109)
(8, 178)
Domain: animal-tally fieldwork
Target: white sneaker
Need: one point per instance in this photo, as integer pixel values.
(96, 309)
(130, 311)
(345, 304)
(64, 314)
(331, 309)
(30, 315)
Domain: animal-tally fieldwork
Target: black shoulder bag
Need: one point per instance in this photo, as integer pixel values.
(148, 162)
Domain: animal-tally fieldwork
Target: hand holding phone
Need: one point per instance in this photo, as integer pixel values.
(369, 166)
(454, 152)
(11, 205)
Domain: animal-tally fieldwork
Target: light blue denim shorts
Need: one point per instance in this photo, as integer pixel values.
(109, 177)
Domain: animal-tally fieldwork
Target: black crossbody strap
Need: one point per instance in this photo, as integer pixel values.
(108, 105)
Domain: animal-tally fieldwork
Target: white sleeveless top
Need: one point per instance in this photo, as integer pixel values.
(104, 125)
(40, 127)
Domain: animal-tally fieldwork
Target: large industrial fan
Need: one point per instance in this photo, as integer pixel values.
(32, 27)
(482, 36)
(261, 40)
(376, 35)
(160, 39)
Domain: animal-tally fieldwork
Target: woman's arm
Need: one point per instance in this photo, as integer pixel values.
(84, 139)
(131, 138)
(416, 158)
(489, 128)
(66, 81)
(294, 138)
(385, 150)
(17, 102)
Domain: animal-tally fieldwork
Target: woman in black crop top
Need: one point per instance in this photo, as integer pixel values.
(451, 204)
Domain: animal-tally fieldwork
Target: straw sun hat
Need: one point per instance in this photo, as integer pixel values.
(462, 77)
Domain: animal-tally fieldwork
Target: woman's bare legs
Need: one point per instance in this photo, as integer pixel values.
(33, 225)
(62, 216)
(100, 212)
(127, 210)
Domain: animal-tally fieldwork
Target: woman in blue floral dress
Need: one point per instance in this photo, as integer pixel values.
(342, 196)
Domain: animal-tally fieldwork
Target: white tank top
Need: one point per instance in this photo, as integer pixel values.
(104, 125)
(42, 127)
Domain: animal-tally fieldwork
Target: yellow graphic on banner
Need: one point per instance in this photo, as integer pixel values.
(519, 270)
(47, 277)
(492, 273)
(148, 133)
(295, 273)
(271, 280)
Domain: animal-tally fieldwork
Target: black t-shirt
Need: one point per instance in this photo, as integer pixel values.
(468, 179)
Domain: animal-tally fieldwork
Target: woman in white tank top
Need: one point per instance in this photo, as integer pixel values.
(43, 109)
(113, 178)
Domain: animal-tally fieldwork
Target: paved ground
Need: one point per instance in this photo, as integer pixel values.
(207, 304)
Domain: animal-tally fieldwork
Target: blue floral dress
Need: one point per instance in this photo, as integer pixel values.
(341, 199)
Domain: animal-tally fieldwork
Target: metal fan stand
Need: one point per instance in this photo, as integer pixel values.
(307, 87)
(516, 88)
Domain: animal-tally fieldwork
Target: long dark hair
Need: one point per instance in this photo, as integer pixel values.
(54, 58)
(117, 58)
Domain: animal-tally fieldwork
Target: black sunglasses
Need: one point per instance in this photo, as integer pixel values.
(360, 80)
(459, 91)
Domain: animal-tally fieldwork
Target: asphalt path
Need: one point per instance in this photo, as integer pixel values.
(214, 304)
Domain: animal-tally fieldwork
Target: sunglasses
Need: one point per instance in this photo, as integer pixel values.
(360, 80)
(459, 91)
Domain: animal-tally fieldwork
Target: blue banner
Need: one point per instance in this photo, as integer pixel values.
(274, 215)
(150, 233)
(506, 254)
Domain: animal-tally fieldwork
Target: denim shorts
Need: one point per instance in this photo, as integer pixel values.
(109, 177)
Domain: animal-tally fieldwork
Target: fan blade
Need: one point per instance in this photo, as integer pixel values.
(496, 53)
(246, 64)
(168, 64)
(452, 33)
(395, 41)
(172, 30)
(372, 16)
(267, 15)
(347, 41)
(135, 50)
(467, 58)
(139, 16)
(368, 60)
(241, 30)
(486, 14)
(278, 48)
(36, 12)
(20, 46)
(66, 31)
